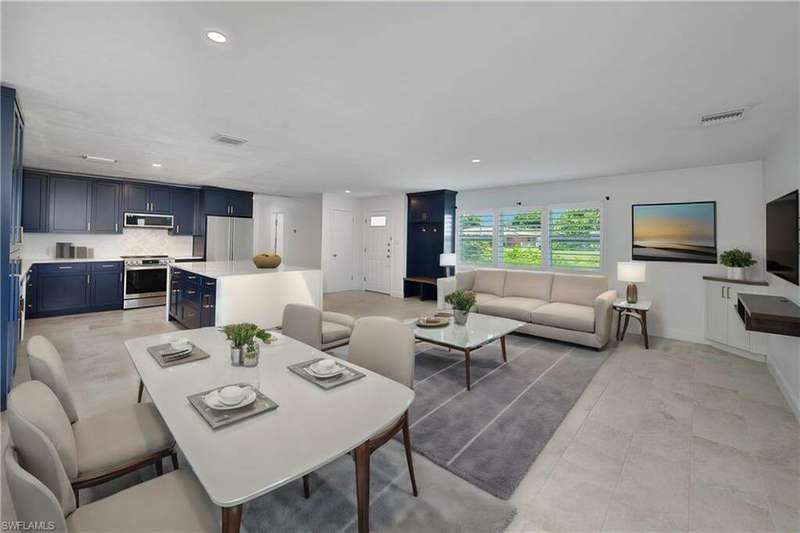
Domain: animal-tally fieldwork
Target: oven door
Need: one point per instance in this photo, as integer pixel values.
(144, 281)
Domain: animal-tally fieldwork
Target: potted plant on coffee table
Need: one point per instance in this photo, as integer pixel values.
(244, 348)
(736, 260)
(462, 301)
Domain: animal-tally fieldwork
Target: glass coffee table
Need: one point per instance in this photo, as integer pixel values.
(478, 331)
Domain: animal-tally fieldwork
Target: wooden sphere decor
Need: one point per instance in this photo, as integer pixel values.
(267, 260)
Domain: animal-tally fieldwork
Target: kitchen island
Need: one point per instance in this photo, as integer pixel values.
(218, 293)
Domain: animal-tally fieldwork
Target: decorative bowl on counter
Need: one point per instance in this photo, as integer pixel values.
(267, 260)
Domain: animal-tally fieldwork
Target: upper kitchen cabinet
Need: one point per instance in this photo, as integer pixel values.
(145, 198)
(70, 205)
(226, 202)
(183, 210)
(106, 203)
(34, 202)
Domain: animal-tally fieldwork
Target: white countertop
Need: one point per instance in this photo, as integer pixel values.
(219, 269)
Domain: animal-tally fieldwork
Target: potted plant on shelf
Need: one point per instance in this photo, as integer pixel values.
(736, 260)
(462, 301)
(244, 348)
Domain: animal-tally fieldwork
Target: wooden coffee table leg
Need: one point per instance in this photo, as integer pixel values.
(643, 315)
(466, 366)
(362, 486)
(503, 347)
(231, 519)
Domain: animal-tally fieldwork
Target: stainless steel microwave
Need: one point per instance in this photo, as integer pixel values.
(148, 220)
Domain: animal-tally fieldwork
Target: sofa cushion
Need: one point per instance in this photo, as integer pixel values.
(528, 284)
(489, 281)
(465, 280)
(566, 316)
(481, 298)
(331, 331)
(513, 307)
(577, 289)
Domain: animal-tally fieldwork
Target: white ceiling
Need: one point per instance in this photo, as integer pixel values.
(396, 97)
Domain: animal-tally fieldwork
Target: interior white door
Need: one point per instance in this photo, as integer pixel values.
(378, 252)
(342, 271)
(277, 233)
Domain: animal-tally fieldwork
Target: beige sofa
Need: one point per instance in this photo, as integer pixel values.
(568, 307)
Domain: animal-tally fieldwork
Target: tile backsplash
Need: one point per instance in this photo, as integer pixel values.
(132, 241)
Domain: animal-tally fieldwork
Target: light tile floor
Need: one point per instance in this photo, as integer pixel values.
(679, 437)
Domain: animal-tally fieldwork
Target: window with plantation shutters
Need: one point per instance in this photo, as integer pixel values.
(475, 237)
(574, 237)
(519, 242)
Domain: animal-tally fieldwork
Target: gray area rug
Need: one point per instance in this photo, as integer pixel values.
(491, 435)
(445, 503)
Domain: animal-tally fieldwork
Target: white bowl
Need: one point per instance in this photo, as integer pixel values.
(181, 343)
(231, 395)
(324, 366)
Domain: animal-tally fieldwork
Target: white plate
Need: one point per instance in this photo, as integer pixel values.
(212, 400)
(312, 373)
(315, 367)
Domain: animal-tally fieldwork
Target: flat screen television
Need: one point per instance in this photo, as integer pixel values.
(782, 237)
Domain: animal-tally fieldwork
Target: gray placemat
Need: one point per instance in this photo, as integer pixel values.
(218, 418)
(345, 377)
(158, 351)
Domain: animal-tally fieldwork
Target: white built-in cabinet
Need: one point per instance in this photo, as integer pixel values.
(723, 324)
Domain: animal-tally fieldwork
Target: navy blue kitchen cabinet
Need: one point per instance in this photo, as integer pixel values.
(31, 307)
(62, 288)
(183, 211)
(34, 202)
(105, 207)
(215, 202)
(193, 299)
(208, 301)
(105, 286)
(12, 128)
(70, 205)
(241, 204)
(145, 198)
(226, 202)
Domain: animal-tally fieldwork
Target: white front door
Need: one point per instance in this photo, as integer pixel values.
(277, 233)
(342, 273)
(378, 252)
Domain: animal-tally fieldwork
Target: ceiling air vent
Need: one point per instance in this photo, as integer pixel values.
(229, 139)
(722, 118)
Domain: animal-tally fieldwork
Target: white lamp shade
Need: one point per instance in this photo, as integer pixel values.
(631, 271)
(447, 260)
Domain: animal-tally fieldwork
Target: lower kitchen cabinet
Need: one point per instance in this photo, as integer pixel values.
(193, 299)
(74, 287)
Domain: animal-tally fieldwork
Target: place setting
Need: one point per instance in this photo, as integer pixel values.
(325, 372)
(177, 351)
(228, 404)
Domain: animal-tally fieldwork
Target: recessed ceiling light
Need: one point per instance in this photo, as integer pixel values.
(347, 191)
(98, 158)
(157, 165)
(476, 161)
(216, 36)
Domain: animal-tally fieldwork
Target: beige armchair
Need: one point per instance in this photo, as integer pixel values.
(112, 443)
(40, 484)
(324, 330)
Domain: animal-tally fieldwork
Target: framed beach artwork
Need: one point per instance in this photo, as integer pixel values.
(685, 232)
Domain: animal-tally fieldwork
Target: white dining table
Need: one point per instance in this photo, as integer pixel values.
(310, 428)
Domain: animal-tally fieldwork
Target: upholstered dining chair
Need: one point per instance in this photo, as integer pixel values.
(111, 443)
(37, 472)
(385, 346)
(324, 330)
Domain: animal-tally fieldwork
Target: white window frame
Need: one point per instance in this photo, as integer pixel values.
(545, 209)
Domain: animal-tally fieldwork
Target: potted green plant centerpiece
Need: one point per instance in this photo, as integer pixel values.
(244, 348)
(736, 260)
(462, 301)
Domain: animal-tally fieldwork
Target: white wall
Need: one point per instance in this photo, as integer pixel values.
(677, 289)
(132, 241)
(302, 227)
(396, 206)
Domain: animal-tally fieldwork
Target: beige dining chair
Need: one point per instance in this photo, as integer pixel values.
(111, 443)
(324, 330)
(385, 346)
(37, 466)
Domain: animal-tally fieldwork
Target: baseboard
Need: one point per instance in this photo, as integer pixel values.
(794, 401)
(736, 351)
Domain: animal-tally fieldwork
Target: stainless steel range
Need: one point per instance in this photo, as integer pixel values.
(145, 280)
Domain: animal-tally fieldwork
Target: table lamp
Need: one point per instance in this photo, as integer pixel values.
(631, 272)
(447, 261)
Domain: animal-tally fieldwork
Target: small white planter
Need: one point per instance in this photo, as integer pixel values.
(735, 272)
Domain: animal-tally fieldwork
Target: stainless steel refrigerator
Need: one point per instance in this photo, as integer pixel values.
(229, 238)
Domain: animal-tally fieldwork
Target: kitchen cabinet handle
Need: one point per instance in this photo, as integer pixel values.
(729, 293)
(179, 229)
(65, 268)
(723, 292)
(191, 292)
(87, 279)
(120, 277)
(109, 266)
(88, 226)
(116, 226)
